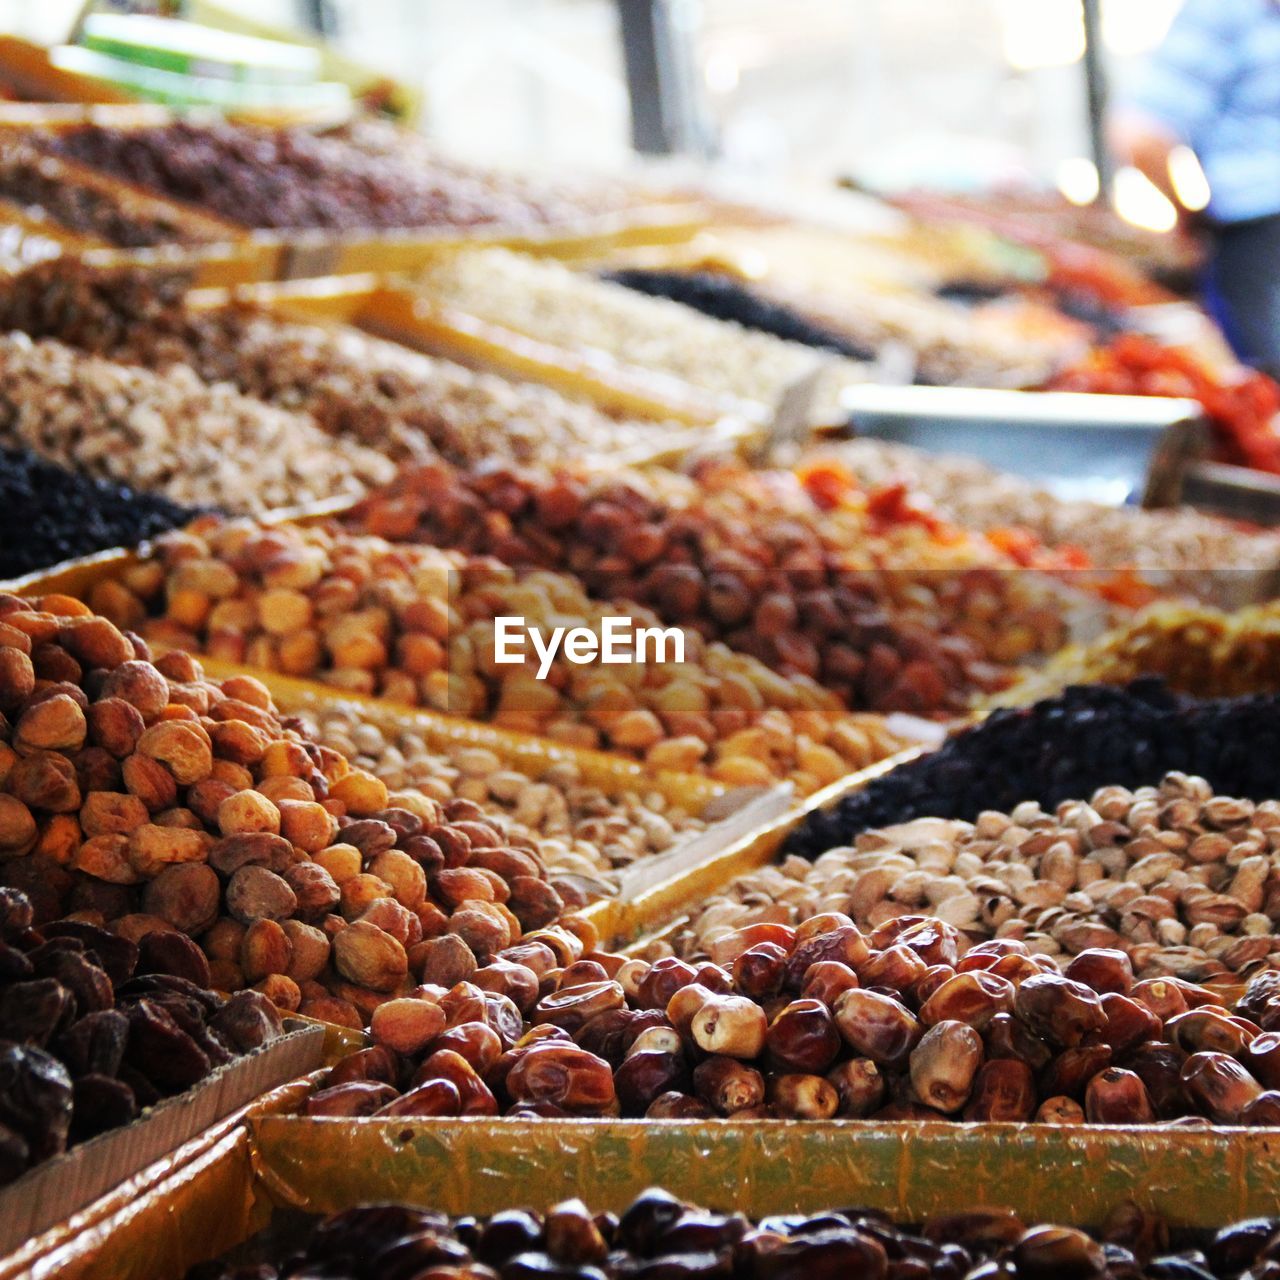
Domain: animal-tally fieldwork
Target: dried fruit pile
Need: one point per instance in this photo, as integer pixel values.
(44, 184)
(1067, 746)
(578, 829)
(1202, 554)
(172, 433)
(416, 624)
(547, 301)
(1181, 880)
(873, 601)
(139, 794)
(1244, 411)
(814, 1021)
(293, 177)
(657, 1236)
(93, 1028)
(407, 406)
(49, 514)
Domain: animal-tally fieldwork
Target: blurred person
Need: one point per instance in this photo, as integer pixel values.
(1214, 86)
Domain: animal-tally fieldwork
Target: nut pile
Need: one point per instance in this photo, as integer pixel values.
(1065, 747)
(657, 1236)
(751, 559)
(140, 795)
(171, 433)
(44, 183)
(579, 830)
(415, 624)
(1181, 880)
(93, 1028)
(398, 402)
(1185, 544)
(815, 1021)
(49, 514)
(547, 301)
(292, 177)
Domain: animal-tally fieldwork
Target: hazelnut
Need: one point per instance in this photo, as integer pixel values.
(45, 780)
(310, 950)
(55, 724)
(254, 893)
(180, 745)
(116, 725)
(140, 685)
(185, 894)
(17, 828)
(153, 847)
(314, 888)
(265, 949)
(365, 955)
(246, 812)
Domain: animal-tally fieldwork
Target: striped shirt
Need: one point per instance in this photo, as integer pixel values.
(1215, 82)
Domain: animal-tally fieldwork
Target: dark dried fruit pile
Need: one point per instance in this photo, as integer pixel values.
(815, 1021)
(658, 1238)
(724, 298)
(49, 514)
(1091, 736)
(264, 177)
(93, 1028)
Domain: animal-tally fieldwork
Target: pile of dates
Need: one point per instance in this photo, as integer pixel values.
(866, 601)
(1090, 736)
(817, 1021)
(138, 795)
(659, 1238)
(94, 1028)
(295, 177)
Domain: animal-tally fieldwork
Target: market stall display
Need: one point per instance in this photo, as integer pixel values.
(416, 625)
(196, 442)
(923, 842)
(96, 1027)
(49, 514)
(298, 178)
(815, 1020)
(657, 1234)
(810, 574)
(557, 307)
(1178, 878)
(1201, 555)
(405, 404)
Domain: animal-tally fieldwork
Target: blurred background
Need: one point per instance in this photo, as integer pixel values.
(892, 93)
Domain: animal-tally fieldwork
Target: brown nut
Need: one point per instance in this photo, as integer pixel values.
(943, 1065)
(45, 780)
(266, 949)
(247, 812)
(407, 1025)
(54, 724)
(152, 847)
(443, 961)
(310, 953)
(254, 893)
(111, 813)
(140, 685)
(150, 781)
(18, 830)
(306, 824)
(365, 955)
(314, 889)
(187, 895)
(181, 746)
(95, 642)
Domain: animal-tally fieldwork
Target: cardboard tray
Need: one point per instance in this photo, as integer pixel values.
(59, 1188)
